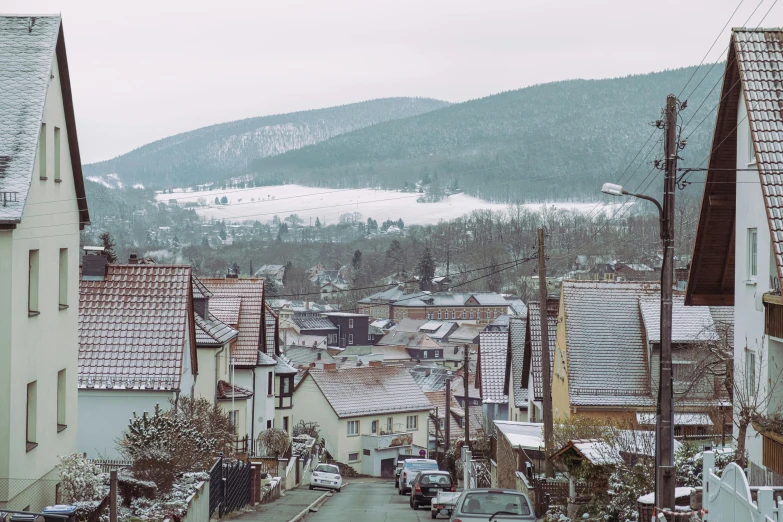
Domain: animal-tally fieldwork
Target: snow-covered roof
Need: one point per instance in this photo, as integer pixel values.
(680, 419)
(522, 435)
(492, 366)
(689, 323)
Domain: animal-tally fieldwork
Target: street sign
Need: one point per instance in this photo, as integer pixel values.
(422, 453)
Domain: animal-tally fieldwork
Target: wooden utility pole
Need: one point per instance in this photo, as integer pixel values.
(546, 370)
(113, 496)
(466, 380)
(447, 442)
(665, 477)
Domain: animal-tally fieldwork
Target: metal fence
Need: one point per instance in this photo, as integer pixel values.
(109, 465)
(759, 475)
(27, 494)
(229, 486)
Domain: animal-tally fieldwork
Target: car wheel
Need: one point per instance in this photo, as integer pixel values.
(414, 504)
(339, 489)
(399, 491)
(396, 484)
(434, 514)
(311, 487)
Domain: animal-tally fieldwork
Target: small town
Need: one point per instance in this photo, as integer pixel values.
(370, 261)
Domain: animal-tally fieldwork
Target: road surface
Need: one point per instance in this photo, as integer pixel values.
(374, 500)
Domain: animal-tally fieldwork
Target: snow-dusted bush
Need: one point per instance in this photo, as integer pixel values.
(80, 479)
(275, 441)
(688, 461)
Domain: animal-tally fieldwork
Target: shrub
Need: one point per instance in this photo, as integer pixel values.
(132, 487)
(80, 479)
(275, 441)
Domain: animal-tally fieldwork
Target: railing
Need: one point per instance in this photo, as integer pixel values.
(108, 465)
(773, 315)
(230, 486)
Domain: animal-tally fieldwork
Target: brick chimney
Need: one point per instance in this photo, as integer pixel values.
(375, 364)
(133, 259)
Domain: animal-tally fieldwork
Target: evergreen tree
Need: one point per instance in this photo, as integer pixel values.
(205, 241)
(425, 269)
(356, 262)
(108, 247)
(395, 256)
(224, 200)
(217, 201)
(317, 223)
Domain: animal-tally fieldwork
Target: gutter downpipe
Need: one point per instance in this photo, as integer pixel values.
(253, 411)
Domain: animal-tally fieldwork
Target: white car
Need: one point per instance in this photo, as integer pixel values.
(326, 476)
(410, 469)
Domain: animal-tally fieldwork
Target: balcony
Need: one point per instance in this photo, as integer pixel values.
(386, 440)
(773, 315)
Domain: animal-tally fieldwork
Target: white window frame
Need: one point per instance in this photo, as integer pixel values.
(751, 150)
(753, 254)
(374, 425)
(453, 314)
(350, 338)
(440, 314)
(353, 428)
(412, 422)
(350, 323)
(437, 354)
(354, 459)
(390, 424)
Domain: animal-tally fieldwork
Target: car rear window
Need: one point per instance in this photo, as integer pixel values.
(440, 480)
(323, 468)
(421, 466)
(487, 503)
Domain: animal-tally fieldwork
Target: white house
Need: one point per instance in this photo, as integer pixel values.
(240, 304)
(367, 415)
(738, 252)
(42, 209)
(137, 346)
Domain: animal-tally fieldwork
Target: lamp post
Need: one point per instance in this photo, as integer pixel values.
(664, 420)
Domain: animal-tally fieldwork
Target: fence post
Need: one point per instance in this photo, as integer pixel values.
(113, 496)
(221, 506)
(708, 464)
(765, 502)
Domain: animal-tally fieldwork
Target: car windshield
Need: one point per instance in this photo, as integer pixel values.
(421, 466)
(325, 468)
(439, 480)
(488, 503)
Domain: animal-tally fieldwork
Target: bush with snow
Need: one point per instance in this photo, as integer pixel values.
(80, 479)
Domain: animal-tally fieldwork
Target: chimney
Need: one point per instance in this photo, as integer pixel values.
(318, 356)
(133, 259)
(330, 366)
(201, 306)
(375, 364)
(427, 372)
(307, 304)
(94, 264)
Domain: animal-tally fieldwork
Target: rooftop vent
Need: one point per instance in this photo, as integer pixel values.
(375, 364)
(133, 259)
(94, 264)
(232, 272)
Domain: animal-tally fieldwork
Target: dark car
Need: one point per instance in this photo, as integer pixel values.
(427, 484)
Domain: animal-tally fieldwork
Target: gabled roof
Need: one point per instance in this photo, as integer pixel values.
(313, 322)
(535, 346)
(467, 333)
(250, 294)
(199, 290)
(492, 366)
(354, 392)
(607, 355)
(517, 331)
(522, 435)
(690, 324)
(431, 379)
(28, 46)
(304, 355)
(458, 386)
(272, 326)
(754, 63)
(133, 326)
(283, 367)
(212, 331)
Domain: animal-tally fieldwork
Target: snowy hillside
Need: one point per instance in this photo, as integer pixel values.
(225, 149)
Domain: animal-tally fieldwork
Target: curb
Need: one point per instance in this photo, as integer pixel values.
(306, 510)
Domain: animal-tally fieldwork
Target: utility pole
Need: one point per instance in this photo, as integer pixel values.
(447, 442)
(466, 380)
(664, 476)
(546, 370)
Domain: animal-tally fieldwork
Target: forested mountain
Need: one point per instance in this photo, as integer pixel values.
(576, 134)
(211, 153)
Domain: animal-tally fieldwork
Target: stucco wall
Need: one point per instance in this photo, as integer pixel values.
(104, 414)
(561, 402)
(37, 348)
(205, 384)
(748, 313)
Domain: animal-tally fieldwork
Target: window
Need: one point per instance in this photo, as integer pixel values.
(437, 353)
(57, 155)
(63, 278)
(285, 386)
(42, 152)
(424, 354)
(683, 371)
(440, 314)
(366, 452)
(464, 314)
(61, 392)
(429, 315)
(453, 314)
(495, 314)
(374, 427)
(350, 323)
(269, 383)
(370, 337)
(269, 424)
(353, 457)
(285, 424)
(750, 372)
(32, 285)
(350, 338)
(332, 338)
(752, 254)
(353, 428)
(390, 425)
(412, 422)
(471, 314)
(751, 151)
(32, 409)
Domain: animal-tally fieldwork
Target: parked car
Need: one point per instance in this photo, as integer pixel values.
(409, 470)
(443, 503)
(326, 476)
(427, 484)
(493, 504)
(400, 461)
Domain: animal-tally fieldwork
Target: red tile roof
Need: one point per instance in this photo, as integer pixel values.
(272, 325)
(250, 292)
(133, 327)
(226, 392)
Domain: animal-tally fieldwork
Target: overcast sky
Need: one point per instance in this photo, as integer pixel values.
(143, 70)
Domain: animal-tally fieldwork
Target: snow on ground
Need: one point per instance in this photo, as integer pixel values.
(262, 203)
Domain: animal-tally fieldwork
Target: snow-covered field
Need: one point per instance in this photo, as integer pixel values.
(263, 203)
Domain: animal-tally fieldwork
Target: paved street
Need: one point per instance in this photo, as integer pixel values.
(375, 500)
(285, 508)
